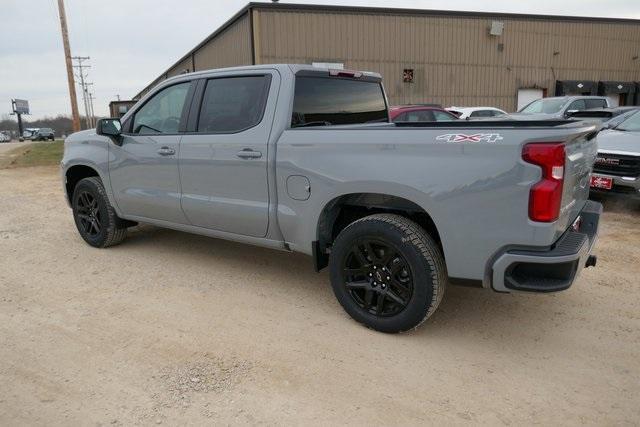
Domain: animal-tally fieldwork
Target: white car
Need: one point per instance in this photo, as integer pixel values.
(471, 113)
(4, 137)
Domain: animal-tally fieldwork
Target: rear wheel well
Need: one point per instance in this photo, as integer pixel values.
(74, 175)
(346, 209)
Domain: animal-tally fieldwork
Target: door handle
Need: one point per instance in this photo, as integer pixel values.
(166, 151)
(247, 153)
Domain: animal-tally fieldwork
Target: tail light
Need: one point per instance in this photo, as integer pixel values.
(545, 197)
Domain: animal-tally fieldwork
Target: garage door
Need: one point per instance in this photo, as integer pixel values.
(527, 96)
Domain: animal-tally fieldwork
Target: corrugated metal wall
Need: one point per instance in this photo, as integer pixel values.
(232, 47)
(455, 60)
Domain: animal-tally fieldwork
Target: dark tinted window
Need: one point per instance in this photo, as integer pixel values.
(577, 105)
(415, 116)
(161, 114)
(233, 104)
(595, 103)
(336, 101)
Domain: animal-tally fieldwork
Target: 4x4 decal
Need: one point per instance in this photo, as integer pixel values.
(477, 137)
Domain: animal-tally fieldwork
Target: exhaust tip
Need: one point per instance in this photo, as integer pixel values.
(591, 261)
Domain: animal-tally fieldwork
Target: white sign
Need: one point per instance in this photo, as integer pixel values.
(21, 106)
(331, 65)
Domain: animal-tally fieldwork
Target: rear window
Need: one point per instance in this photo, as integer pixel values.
(322, 101)
(595, 103)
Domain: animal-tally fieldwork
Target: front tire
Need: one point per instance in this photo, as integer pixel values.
(94, 216)
(387, 272)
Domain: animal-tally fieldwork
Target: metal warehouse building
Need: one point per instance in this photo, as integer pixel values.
(426, 56)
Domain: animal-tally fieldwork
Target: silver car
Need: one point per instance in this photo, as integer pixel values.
(617, 166)
(559, 107)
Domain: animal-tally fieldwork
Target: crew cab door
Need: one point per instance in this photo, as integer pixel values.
(144, 168)
(223, 156)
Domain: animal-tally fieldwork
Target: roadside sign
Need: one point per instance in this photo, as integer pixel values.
(20, 106)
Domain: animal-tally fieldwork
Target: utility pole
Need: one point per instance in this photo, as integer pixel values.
(87, 97)
(67, 57)
(93, 115)
(83, 85)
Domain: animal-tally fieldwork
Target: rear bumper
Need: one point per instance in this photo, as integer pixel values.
(553, 269)
(627, 185)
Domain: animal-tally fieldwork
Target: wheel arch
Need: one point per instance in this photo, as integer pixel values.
(346, 208)
(74, 174)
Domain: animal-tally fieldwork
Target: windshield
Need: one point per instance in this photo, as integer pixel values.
(615, 121)
(546, 106)
(632, 124)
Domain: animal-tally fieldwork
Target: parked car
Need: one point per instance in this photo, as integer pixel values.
(304, 159)
(420, 113)
(4, 137)
(43, 134)
(28, 134)
(559, 107)
(617, 166)
(472, 113)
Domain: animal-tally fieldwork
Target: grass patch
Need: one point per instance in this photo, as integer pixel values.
(40, 154)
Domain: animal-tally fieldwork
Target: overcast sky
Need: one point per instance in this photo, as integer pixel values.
(131, 42)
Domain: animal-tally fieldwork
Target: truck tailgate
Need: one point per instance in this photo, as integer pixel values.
(581, 153)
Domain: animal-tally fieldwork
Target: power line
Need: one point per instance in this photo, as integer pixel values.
(84, 84)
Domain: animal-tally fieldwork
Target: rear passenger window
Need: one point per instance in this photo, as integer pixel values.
(233, 104)
(320, 101)
(578, 105)
(595, 103)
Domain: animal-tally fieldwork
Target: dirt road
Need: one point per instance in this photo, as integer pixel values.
(170, 328)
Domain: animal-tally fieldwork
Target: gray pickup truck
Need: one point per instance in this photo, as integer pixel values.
(617, 165)
(305, 159)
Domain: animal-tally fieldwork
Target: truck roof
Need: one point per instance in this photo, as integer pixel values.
(295, 68)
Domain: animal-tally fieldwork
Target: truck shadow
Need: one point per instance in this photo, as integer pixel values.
(464, 311)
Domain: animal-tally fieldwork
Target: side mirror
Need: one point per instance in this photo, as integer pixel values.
(570, 113)
(109, 127)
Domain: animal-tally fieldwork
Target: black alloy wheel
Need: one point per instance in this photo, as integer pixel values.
(387, 272)
(95, 218)
(88, 213)
(378, 277)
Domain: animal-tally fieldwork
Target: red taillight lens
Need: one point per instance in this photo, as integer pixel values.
(545, 197)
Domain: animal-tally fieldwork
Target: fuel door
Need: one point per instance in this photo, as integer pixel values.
(298, 187)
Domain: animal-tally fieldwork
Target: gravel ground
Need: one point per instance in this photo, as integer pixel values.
(171, 328)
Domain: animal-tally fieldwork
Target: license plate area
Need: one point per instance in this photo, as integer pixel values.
(601, 182)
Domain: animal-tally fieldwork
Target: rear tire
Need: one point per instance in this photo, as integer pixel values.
(94, 216)
(387, 272)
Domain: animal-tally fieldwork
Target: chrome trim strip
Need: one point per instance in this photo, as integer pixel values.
(623, 153)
